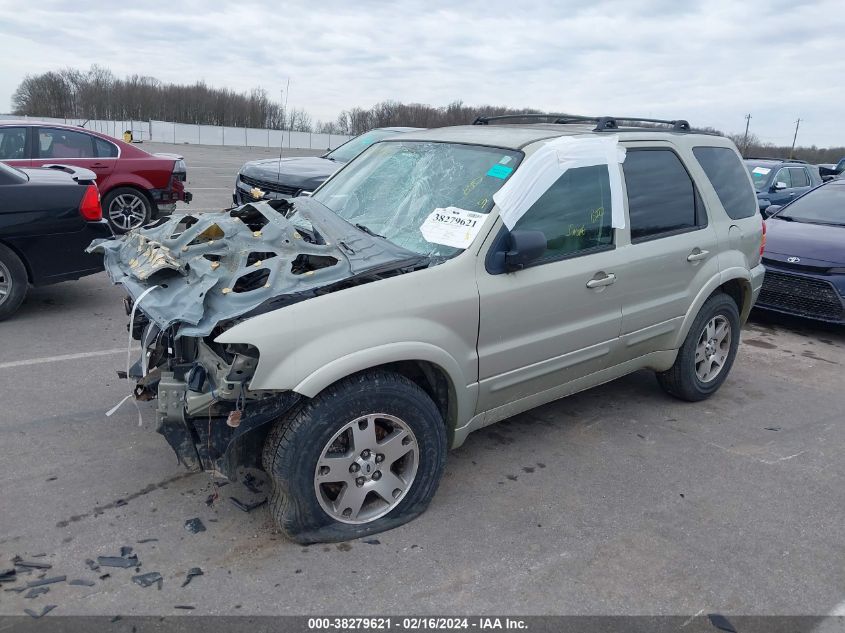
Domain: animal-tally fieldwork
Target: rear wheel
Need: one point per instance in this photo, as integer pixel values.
(13, 282)
(708, 352)
(364, 456)
(126, 208)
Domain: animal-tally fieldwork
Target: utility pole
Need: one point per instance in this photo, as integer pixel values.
(791, 152)
(745, 138)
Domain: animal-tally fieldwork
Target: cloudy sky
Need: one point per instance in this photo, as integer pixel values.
(709, 62)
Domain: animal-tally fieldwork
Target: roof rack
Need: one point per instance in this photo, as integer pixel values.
(779, 160)
(603, 123)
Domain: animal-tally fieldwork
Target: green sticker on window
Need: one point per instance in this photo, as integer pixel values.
(500, 171)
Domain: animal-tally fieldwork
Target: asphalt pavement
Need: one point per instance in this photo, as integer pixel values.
(619, 500)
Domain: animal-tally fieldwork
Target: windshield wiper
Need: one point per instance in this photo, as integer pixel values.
(369, 231)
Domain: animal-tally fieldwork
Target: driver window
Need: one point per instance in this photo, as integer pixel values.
(574, 214)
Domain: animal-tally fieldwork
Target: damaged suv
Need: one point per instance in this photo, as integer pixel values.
(438, 283)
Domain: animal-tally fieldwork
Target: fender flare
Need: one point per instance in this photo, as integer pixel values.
(464, 395)
(730, 274)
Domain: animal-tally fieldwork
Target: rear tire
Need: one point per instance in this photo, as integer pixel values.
(319, 464)
(13, 282)
(126, 208)
(708, 352)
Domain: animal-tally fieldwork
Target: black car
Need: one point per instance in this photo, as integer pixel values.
(48, 216)
(275, 178)
(805, 256)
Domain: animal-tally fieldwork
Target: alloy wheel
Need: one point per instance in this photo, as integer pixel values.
(5, 282)
(366, 469)
(713, 348)
(127, 211)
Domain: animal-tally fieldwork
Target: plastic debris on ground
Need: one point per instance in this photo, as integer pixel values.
(37, 591)
(46, 581)
(194, 525)
(44, 611)
(193, 571)
(82, 582)
(247, 507)
(17, 561)
(149, 579)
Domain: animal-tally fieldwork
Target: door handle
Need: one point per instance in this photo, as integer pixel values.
(697, 255)
(599, 282)
(99, 165)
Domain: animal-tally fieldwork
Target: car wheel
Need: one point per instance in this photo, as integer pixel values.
(13, 282)
(708, 352)
(364, 456)
(126, 209)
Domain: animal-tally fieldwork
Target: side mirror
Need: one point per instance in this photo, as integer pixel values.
(524, 248)
(771, 210)
(779, 186)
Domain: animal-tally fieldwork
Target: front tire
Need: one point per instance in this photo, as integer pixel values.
(126, 208)
(708, 352)
(13, 282)
(364, 456)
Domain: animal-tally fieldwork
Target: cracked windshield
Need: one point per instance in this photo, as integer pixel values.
(394, 187)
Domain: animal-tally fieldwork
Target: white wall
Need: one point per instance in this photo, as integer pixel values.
(182, 133)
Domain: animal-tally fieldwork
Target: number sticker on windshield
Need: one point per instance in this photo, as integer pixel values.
(452, 227)
(760, 170)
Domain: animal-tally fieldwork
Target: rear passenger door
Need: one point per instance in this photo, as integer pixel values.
(70, 147)
(673, 249)
(782, 190)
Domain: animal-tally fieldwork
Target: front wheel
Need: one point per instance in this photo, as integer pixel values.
(126, 209)
(364, 456)
(708, 352)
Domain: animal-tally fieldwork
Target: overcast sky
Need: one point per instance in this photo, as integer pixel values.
(708, 62)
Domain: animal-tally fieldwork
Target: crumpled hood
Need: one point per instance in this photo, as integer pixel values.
(218, 266)
(302, 172)
(810, 242)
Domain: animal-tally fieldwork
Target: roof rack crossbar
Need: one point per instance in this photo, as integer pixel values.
(603, 123)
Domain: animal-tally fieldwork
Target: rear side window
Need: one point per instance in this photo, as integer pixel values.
(661, 196)
(730, 180)
(574, 213)
(104, 148)
(59, 143)
(799, 177)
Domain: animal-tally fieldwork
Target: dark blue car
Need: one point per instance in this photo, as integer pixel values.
(805, 256)
(779, 181)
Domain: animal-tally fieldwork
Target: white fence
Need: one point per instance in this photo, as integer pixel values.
(185, 133)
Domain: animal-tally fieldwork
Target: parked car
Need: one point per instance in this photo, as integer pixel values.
(47, 218)
(136, 186)
(778, 180)
(829, 171)
(279, 178)
(441, 281)
(805, 256)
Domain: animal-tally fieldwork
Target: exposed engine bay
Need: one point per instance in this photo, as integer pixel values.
(191, 277)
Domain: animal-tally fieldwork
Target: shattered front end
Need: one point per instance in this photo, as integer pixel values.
(191, 277)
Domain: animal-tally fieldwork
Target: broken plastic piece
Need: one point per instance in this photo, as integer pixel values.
(46, 581)
(194, 526)
(18, 562)
(8, 575)
(247, 507)
(147, 540)
(148, 579)
(193, 571)
(92, 565)
(187, 607)
(36, 591)
(47, 608)
(252, 483)
(118, 561)
(82, 582)
(125, 551)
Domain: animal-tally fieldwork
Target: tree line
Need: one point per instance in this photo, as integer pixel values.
(98, 94)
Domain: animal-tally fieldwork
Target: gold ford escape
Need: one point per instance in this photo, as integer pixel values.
(440, 282)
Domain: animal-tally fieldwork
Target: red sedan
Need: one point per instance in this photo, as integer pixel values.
(136, 186)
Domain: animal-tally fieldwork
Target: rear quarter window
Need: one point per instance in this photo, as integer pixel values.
(730, 180)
